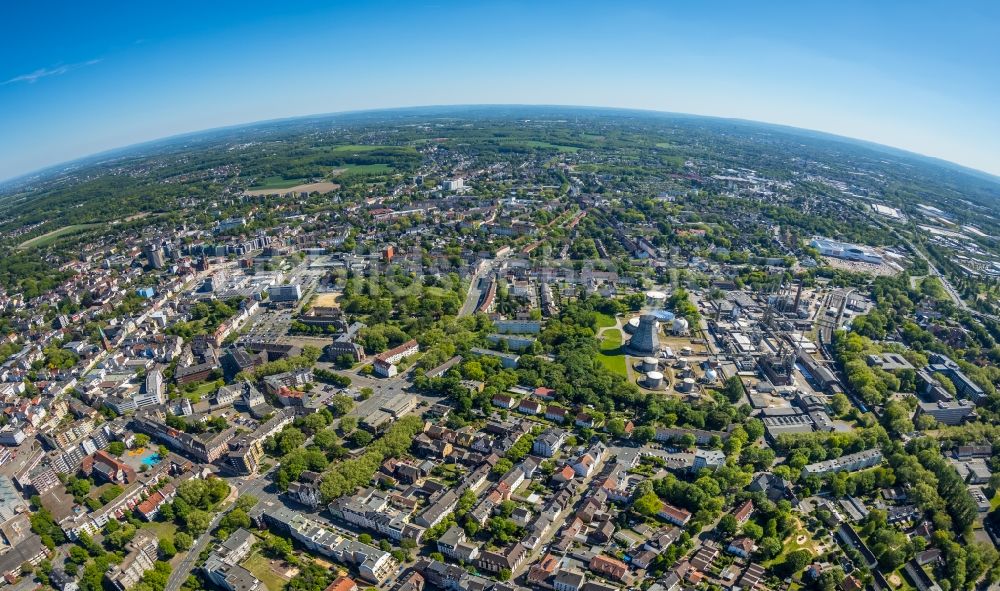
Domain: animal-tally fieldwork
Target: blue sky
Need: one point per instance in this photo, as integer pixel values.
(84, 77)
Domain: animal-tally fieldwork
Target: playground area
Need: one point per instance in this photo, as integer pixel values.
(141, 456)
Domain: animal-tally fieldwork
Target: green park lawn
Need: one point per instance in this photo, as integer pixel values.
(203, 390)
(162, 529)
(605, 320)
(277, 182)
(364, 169)
(611, 355)
(791, 544)
(261, 568)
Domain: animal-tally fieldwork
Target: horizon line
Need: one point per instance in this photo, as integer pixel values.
(831, 135)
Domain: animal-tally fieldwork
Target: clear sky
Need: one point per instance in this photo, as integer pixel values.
(82, 77)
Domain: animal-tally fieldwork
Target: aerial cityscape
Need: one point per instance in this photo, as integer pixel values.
(499, 348)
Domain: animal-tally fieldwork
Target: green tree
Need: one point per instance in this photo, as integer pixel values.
(235, 519)
(616, 427)
(167, 548)
(182, 541)
(348, 424)
(503, 466)
(360, 438)
(727, 525)
(795, 562)
(197, 521)
(648, 504)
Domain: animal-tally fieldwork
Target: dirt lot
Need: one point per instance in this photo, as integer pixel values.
(859, 267)
(326, 300)
(323, 187)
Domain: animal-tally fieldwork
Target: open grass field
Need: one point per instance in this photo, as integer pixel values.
(357, 148)
(162, 529)
(539, 144)
(799, 539)
(50, 237)
(364, 169)
(270, 572)
(202, 391)
(899, 580)
(604, 320)
(611, 355)
(277, 182)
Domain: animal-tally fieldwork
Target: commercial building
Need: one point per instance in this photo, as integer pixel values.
(949, 412)
(964, 386)
(11, 501)
(845, 250)
(708, 458)
(285, 293)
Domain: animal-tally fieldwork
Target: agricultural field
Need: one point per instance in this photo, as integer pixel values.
(279, 187)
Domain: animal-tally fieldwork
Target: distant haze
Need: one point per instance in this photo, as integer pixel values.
(82, 79)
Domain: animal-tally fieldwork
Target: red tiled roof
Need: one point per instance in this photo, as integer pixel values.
(744, 511)
(342, 584)
(150, 504)
(675, 512)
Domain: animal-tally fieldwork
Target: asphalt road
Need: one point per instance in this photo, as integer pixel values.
(186, 566)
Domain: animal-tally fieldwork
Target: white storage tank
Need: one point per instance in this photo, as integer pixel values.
(685, 385)
(711, 375)
(680, 326)
(654, 380)
(655, 299)
(649, 364)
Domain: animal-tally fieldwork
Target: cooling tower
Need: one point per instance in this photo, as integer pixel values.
(645, 340)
